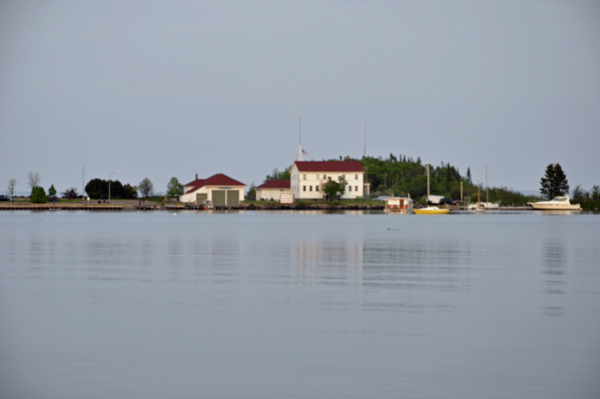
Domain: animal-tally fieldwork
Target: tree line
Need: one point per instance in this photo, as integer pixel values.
(95, 188)
(401, 175)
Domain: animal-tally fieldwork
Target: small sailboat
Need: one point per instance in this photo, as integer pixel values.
(487, 205)
(430, 210)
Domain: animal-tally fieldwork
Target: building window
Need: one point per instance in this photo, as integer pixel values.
(324, 177)
(355, 177)
(343, 176)
(349, 188)
(303, 188)
(304, 177)
(355, 188)
(309, 188)
(316, 188)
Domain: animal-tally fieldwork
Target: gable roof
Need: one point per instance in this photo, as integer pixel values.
(329, 166)
(215, 180)
(276, 184)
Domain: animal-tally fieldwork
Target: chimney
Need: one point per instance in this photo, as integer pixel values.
(196, 176)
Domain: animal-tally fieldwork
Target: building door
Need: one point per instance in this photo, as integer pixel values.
(218, 197)
(233, 197)
(200, 198)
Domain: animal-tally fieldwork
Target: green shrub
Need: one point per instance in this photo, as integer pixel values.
(38, 195)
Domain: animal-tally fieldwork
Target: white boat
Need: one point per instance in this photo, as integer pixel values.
(484, 206)
(561, 203)
(487, 205)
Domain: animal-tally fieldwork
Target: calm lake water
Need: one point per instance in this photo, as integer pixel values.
(298, 305)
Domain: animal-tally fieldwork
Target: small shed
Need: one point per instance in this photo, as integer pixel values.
(272, 189)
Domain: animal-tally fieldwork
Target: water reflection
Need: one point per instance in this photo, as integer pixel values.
(41, 256)
(263, 298)
(540, 212)
(417, 264)
(328, 261)
(554, 269)
(415, 274)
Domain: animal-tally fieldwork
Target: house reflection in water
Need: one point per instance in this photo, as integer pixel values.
(336, 261)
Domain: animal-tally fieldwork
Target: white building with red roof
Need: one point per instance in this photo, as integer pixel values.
(308, 178)
(220, 189)
(272, 190)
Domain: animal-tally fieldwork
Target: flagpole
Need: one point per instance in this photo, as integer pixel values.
(300, 140)
(365, 152)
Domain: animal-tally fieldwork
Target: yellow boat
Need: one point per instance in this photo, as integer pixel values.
(431, 210)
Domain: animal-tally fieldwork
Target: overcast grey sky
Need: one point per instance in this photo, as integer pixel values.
(172, 88)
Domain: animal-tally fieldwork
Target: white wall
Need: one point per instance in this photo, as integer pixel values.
(268, 193)
(294, 180)
(313, 180)
(191, 197)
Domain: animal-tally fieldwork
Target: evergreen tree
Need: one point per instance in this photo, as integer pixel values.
(469, 175)
(596, 193)
(52, 191)
(554, 182)
(277, 175)
(38, 195)
(561, 183)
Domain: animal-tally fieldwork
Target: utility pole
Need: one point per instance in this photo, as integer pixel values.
(428, 182)
(82, 181)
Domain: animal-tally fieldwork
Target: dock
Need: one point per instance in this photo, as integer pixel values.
(59, 207)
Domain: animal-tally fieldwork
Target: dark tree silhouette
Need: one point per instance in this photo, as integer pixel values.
(554, 182)
(70, 193)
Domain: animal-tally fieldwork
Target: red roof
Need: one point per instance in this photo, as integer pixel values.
(216, 180)
(275, 184)
(329, 166)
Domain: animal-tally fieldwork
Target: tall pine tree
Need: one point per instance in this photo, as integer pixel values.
(554, 182)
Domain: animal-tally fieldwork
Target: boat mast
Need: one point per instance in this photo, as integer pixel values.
(427, 181)
(487, 200)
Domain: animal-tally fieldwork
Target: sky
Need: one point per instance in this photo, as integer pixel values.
(163, 89)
